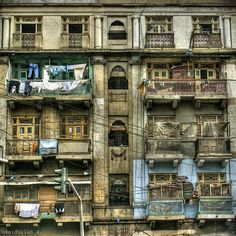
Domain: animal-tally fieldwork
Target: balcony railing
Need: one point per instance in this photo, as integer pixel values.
(211, 87)
(163, 146)
(160, 40)
(74, 40)
(187, 87)
(70, 146)
(207, 40)
(71, 208)
(171, 87)
(215, 205)
(214, 145)
(27, 40)
(168, 207)
(81, 88)
(29, 147)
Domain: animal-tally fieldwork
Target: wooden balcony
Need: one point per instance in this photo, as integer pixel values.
(159, 40)
(74, 41)
(207, 40)
(70, 214)
(27, 40)
(74, 150)
(215, 208)
(118, 101)
(166, 209)
(211, 149)
(163, 150)
(26, 150)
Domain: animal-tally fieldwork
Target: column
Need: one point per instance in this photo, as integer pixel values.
(98, 31)
(227, 32)
(136, 32)
(6, 32)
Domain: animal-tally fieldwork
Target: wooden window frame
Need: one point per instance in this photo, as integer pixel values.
(74, 20)
(159, 25)
(84, 124)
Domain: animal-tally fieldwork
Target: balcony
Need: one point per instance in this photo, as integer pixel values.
(47, 211)
(207, 40)
(74, 41)
(160, 40)
(27, 40)
(26, 150)
(118, 101)
(166, 209)
(215, 208)
(80, 90)
(76, 150)
(163, 150)
(212, 149)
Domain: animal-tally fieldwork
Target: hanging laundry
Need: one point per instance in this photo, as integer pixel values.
(33, 70)
(79, 71)
(55, 70)
(27, 210)
(59, 207)
(14, 86)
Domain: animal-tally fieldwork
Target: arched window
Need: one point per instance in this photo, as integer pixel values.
(118, 135)
(118, 79)
(117, 31)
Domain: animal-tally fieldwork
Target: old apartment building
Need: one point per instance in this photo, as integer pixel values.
(137, 99)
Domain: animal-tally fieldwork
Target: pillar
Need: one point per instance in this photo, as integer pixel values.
(6, 32)
(98, 32)
(227, 32)
(136, 31)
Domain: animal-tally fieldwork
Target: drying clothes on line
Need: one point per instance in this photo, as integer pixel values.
(55, 70)
(59, 207)
(14, 86)
(79, 71)
(27, 210)
(33, 70)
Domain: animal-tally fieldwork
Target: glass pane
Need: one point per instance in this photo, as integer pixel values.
(78, 130)
(14, 130)
(22, 130)
(28, 28)
(29, 130)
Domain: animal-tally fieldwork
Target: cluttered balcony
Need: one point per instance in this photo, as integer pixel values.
(213, 144)
(34, 211)
(163, 143)
(26, 150)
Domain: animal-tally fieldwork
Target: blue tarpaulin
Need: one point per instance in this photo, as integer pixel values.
(48, 147)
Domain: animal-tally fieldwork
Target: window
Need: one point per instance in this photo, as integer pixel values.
(74, 127)
(75, 24)
(159, 24)
(118, 79)
(21, 193)
(118, 135)
(163, 186)
(213, 184)
(28, 25)
(117, 31)
(25, 127)
(156, 71)
(207, 25)
(118, 190)
(207, 71)
(23, 71)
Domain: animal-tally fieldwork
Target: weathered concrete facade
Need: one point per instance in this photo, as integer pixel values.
(136, 99)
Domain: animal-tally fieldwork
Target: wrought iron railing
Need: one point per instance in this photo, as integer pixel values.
(160, 40)
(207, 40)
(27, 40)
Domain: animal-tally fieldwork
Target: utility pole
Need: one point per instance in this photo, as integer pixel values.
(80, 208)
(62, 180)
